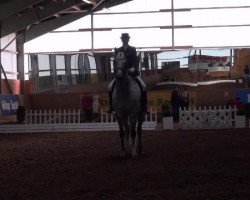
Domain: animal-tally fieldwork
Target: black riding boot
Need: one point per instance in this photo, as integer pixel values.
(110, 103)
(144, 101)
(144, 97)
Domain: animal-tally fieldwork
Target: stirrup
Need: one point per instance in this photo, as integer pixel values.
(145, 111)
(110, 111)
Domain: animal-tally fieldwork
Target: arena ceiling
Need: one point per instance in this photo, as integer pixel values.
(37, 17)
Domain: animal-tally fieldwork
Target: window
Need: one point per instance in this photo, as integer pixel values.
(132, 20)
(212, 37)
(46, 73)
(213, 17)
(60, 62)
(43, 62)
(138, 38)
(207, 3)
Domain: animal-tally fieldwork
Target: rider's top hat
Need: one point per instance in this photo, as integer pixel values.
(125, 35)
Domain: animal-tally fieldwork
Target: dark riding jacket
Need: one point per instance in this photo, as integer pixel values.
(131, 57)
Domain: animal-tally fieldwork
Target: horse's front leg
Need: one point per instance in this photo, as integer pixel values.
(122, 137)
(127, 135)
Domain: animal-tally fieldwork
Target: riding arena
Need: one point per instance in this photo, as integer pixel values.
(163, 116)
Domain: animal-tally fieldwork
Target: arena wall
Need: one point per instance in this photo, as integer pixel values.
(210, 96)
(14, 85)
(54, 101)
(214, 97)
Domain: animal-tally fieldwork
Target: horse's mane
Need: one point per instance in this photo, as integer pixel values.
(125, 78)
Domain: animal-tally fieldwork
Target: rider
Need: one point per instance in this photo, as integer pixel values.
(131, 62)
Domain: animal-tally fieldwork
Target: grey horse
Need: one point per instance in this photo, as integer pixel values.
(127, 106)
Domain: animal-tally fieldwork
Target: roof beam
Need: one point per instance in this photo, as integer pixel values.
(44, 27)
(90, 1)
(16, 23)
(115, 3)
(76, 8)
(13, 6)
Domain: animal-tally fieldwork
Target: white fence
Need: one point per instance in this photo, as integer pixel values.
(207, 118)
(52, 117)
(149, 123)
(151, 117)
(68, 120)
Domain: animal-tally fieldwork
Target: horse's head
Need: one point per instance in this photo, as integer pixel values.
(120, 60)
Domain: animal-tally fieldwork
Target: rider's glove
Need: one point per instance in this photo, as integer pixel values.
(132, 70)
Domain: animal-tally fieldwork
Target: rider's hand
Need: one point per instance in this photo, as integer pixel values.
(132, 70)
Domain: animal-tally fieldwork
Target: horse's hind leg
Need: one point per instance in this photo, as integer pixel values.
(139, 133)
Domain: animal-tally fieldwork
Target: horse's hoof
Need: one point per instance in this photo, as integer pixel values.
(134, 153)
(134, 156)
(123, 154)
(127, 151)
(140, 151)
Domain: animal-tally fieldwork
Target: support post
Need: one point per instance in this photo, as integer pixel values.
(20, 62)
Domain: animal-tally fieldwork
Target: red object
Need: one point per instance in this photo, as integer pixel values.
(86, 102)
(239, 105)
(209, 58)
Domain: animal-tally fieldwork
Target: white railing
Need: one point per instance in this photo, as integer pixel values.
(149, 123)
(110, 118)
(52, 116)
(66, 120)
(207, 118)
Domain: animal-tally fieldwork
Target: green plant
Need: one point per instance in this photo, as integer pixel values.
(241, 112)
(165, 109)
